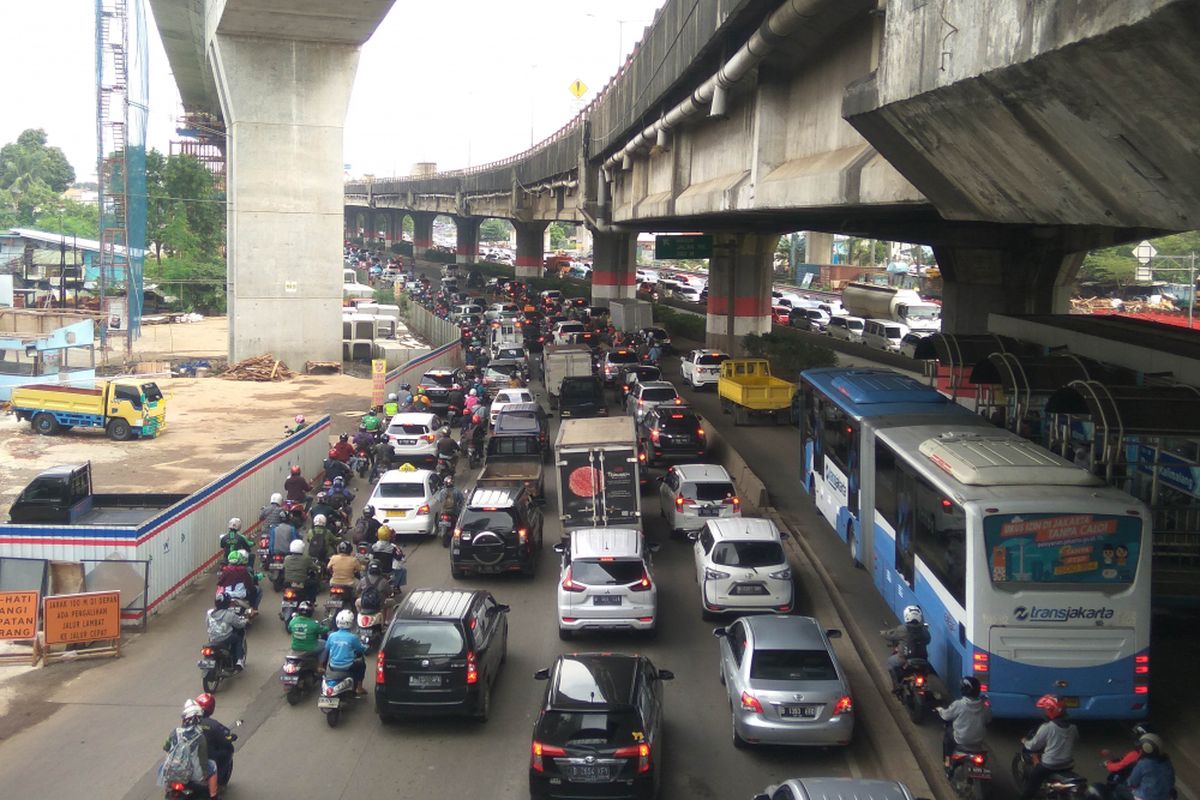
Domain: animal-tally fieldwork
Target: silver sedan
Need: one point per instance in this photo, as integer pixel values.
(784, 683)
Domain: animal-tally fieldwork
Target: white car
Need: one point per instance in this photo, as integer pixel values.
(702, 368)
(498, 311)
(846, 328)
(413, 437)
(692, 494)
(564, 329)
(508, 350)
(910, 340)
(648, 394)
(606, 582)
(647, 275)
(741, 567)
(408, 500)
(507, 397)
(688, 294)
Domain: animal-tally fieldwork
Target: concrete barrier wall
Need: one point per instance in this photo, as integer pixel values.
(181, 541)
(448, 356)
(749, 487)
(429, 327)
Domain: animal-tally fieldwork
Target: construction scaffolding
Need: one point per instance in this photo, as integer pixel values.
(122, 95)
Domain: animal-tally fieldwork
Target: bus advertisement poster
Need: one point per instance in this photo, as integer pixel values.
(1062, 548)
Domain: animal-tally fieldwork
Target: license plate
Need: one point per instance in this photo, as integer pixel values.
(424, 681)
(406, 442)
(710, 511)
(798, 712)
(333, 602)
(589, 773)
(206, 663)
(1070, 701)
(979, 773)
(681, 439)
(607, 600)
(289, 680)
(328, 702)
(749, 588)
(397, 513)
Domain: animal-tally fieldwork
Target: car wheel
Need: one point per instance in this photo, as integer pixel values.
(565, 634)
(457, 574)
(651, 633)
(738, 741)
(484, 709)
(119, 430)
(45, 424)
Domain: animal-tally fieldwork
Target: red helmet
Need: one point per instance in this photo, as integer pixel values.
(1051, 705)
(295, 469)
(333, 453)
(207, 703)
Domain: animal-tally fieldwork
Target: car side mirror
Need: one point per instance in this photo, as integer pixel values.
(502, 608)
(666, 675)
(720, 633)
(654, 547)
(693, 535)
(833, 633)
(558, 548)
(784, 535)
(542, 674)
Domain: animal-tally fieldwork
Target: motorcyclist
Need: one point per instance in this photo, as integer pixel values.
(226, 626)
(296, 487)
(374, 579)
(911, 640)
(342, 450)
(453, 497)
(1153, 776)
(370, 421)
(1054, 740)
(219, 738)
(272, 515)
(191, 716)
(344, 569)
(1119, 768)
(320, 542)
(392, 406)
(388, 554)
(447, 448)
(363, 440)
(404, 397)
(368, 527)
(299, 420)
(344, 650)
(322, 507)
(383, 454)
(236, 573)
(299, 569)
(420, 400)
(307, 634)
(340, 496)
(966, 720)
(335, 467)
(455, 398)
(233, 539)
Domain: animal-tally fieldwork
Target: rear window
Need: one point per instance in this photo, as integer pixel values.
(658, 395)
(514, 446)
(511, 352)
(515, 397)
(588, 728)
(619, 357)
(680, 422)
(573, 327)
(593, 572)
(747, 554)
(708, 492)
(891, 332)
(854, 324)
(499, 521)
(579, 389)
(440, 380)
(503, 369)
(417, 640)
(408, 430)
(393, 490)
(792, 665)
(711, 361)
(645, 374)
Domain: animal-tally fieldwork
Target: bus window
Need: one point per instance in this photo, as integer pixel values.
(905, 524)
(885, 483)
(941, 540)
(810, 419)
(838, 435)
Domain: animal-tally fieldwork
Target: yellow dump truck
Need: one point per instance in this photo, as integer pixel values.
(747, 387)
(124, 409)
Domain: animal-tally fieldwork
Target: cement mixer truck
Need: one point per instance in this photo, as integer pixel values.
(889, 303)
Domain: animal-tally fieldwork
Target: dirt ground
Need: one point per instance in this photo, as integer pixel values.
(208, 338)
(212, 426)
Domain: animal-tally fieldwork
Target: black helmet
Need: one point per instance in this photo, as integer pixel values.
(373, 569)
(221, 601)
(344, 548)
(970, 687)
(305, 609)
(343, 437)
(368, 511)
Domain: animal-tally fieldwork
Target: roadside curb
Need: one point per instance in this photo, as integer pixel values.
(915, 766)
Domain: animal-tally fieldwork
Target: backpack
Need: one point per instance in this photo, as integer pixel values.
(182, 764)
(318, 545)
(371, 600)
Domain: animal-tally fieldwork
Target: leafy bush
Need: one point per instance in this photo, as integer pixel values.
(402, 248)
(788, 352)
(439, 256)
(680, 323)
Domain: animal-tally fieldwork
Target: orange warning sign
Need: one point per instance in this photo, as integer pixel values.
(88, 617)
(18, 615)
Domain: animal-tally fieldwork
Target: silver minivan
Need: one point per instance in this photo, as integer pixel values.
(848, 329)
(883, 335)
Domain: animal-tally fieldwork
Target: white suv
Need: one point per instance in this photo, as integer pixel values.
(741, 566)
(507, 397)
(702, 368)
(413, 437)
(692, 494)
(606, 582)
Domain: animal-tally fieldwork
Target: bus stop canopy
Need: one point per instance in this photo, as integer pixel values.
(1131, 410)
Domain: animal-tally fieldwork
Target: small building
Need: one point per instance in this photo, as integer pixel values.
(39, 346)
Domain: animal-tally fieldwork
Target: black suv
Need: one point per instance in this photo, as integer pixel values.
(599, 731)
(437, 383)
(499, 530)
(672, 433)
(441, 654)
(582, 396)
(528, 419)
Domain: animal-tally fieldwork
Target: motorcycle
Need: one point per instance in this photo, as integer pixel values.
(445, 527)
(1065, 784)
(360, 463)
(339, 598)
(337, 690)
(272, 563)
(969, 774)
(217, 664)
(446, 466)
(370, 627)
(474, 454)
(920, 689)
(296, 513)
(298, 675)
(292, 596)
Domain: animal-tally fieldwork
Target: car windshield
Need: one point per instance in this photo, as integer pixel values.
(511, 352)
(656, 395)
(594, 572)
(395, 490)
(678, 422)
(150, 390)
(656, 333)
(417, 639)
(588, 729)
(708, 492)
(476, 521)
(709, 361)
(579, 390)
(445, 381)
(408, 430)
(792, 665)
(506, 370)
(747, 554)
(514, 397)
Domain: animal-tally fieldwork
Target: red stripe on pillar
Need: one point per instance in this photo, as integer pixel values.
(751, 306)
(718, 304)
(528, 261)
(608, 277)
(422, 242)
(466, 250)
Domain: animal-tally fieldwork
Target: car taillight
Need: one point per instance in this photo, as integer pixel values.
(844, 705)
(750, 703)
(539, 750)
(424, 509)
(472, 668)
(206, 651)
(523, 535)
(978, 759)
(643, 585)
(736, 502)
(655, 436)
(289, 594)
(678, 401)
(569, 583)
(427, 437)
(699, 431)
(639, 751)
(379, 664)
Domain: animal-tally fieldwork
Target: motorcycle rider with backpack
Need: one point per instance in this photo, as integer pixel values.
(233, 539)
(219, 739)
(911, 640)
(187, 760)
(966, 720)
(321, 541)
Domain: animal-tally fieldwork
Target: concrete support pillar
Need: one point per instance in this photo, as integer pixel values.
(467, 246)
(529, 248)
(284, 104)
(818, 247)
(739, 289)
(349, 224)
(614, 267)
(389, 228)
(422, 232)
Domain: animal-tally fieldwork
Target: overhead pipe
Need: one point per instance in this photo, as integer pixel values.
(713, 92)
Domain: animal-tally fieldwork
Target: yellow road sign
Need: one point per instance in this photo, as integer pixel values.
(578, 88)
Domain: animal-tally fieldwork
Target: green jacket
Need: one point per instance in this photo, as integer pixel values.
(236, 540)
(321, 535)
(370, 422)
(306, 633)
(296, 567)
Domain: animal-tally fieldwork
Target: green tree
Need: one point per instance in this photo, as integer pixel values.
(30, 159)
(70, 218)
(558, 236)
(495, 230)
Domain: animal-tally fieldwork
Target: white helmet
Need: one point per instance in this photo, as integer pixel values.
(319, 520)
(276, 499)
(296, 546)
(913, 614)
(192, 712)
(235, 524)
(392, 397)
(345, 619)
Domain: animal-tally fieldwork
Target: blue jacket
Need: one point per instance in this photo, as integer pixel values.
(343, 648)
(1152, 778)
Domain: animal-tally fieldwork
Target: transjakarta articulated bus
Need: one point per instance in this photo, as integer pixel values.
(1033, 575)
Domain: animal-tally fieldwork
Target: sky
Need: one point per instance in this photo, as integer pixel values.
(455, 82)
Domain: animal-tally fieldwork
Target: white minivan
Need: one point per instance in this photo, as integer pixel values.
(606, 583)
(883, 334)
(848, 329)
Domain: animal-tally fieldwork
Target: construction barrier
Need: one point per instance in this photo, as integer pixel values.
(181, 541)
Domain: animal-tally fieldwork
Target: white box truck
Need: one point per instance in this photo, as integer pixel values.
(599, 483)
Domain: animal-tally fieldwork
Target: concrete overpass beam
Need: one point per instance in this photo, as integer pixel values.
(980, 281)
(467, 245)
(818, 247)
(422, 232)
(614, 267)
(529, 248)
(739, 289)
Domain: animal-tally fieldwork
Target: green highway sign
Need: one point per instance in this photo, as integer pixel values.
(667, 248)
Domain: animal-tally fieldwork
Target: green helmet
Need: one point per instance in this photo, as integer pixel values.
(237, 557)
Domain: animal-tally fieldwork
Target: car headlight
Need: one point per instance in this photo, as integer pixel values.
(784, 574)
(711, 574)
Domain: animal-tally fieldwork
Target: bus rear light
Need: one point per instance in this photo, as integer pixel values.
(1141, 688)
(980, 660)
